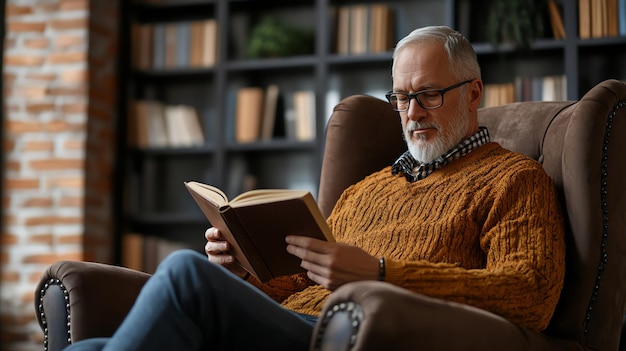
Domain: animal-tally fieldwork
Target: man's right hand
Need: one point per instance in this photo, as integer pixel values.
(217, 251)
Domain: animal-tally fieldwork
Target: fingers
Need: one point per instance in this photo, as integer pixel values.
(221, 259)
(217, 252)
(306, 254)
(215, 244)
(212, 234)
(324, 277)
(308, 243)
(216, 248)
(308, 249)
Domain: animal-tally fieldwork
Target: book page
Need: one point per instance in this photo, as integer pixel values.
(211, 193)
(259, 196)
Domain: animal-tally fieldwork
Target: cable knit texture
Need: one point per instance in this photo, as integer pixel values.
(485, 230)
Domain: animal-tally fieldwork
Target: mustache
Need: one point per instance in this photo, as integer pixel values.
(415, 125)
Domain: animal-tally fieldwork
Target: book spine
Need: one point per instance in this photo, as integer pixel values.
(158, 46)
(622, 17)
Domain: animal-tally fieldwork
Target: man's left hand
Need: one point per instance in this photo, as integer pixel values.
(332, 264)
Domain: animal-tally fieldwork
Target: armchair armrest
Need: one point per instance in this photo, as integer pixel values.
(372, 315)
(78, 300)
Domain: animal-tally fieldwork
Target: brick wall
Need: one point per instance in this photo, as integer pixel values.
(58, 138)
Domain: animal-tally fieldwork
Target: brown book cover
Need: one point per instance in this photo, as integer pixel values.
(382, 27)
(141, 51)
(132, 251)
(171, 42)
(597, 18)
(256, 223)
(248, 114)
(556, 20)
(343, 30)
(197, 41)
(612, 19)
(584, 19)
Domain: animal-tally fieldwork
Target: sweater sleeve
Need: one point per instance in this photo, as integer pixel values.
(523, 242)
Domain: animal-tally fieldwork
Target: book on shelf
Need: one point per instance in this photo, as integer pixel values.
(556, 20)
(248, 114)
(136, 126)
(359, 24)
(364, 28)
(598, 12)
(159, 45)
(183, 126)
(382, 31)
(132, 251)
(622, 17)
(584, 19)
(601, 18)
(203, 43)
(143, 252)
(270, 110)
(155, 124)
(256, 223)
(546, 88)
(171, 44)
(179, 44)
(196, 39)
(304, 120)
(498, 94)
(183, 44)
(141, 48)
(147, 124)
(554, 88)
(258, 114)
(209, 43)
(343, 30)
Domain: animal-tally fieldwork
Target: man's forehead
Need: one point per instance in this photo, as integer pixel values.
(421, 66)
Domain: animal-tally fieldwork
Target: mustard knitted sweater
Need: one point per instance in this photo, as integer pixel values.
(485, 230)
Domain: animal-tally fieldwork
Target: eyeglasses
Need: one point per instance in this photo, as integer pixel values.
(427, 99)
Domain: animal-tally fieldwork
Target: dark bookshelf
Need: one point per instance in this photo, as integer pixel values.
(156, 174)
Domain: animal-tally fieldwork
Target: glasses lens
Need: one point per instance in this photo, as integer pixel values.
(399, 102)
(430, 99)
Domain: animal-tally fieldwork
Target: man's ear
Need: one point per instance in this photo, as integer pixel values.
(475, 92)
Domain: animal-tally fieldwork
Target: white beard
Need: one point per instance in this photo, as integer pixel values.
(424, 151)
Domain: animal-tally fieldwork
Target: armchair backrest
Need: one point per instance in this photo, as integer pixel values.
(363, 135)
(580, 144)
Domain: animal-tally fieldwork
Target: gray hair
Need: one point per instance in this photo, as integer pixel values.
(461, 56)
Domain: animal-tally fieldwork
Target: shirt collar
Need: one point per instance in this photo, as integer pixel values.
(414, 171)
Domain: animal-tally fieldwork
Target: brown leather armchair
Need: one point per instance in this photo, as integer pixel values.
(580, 144)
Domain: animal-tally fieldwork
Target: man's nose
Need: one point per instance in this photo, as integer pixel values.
(415, 111)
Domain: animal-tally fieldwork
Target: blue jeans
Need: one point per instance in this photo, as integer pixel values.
(192, 304)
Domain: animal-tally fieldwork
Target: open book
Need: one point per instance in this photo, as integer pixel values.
(256, 223)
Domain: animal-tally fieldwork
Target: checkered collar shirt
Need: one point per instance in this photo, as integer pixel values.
(414, 171)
